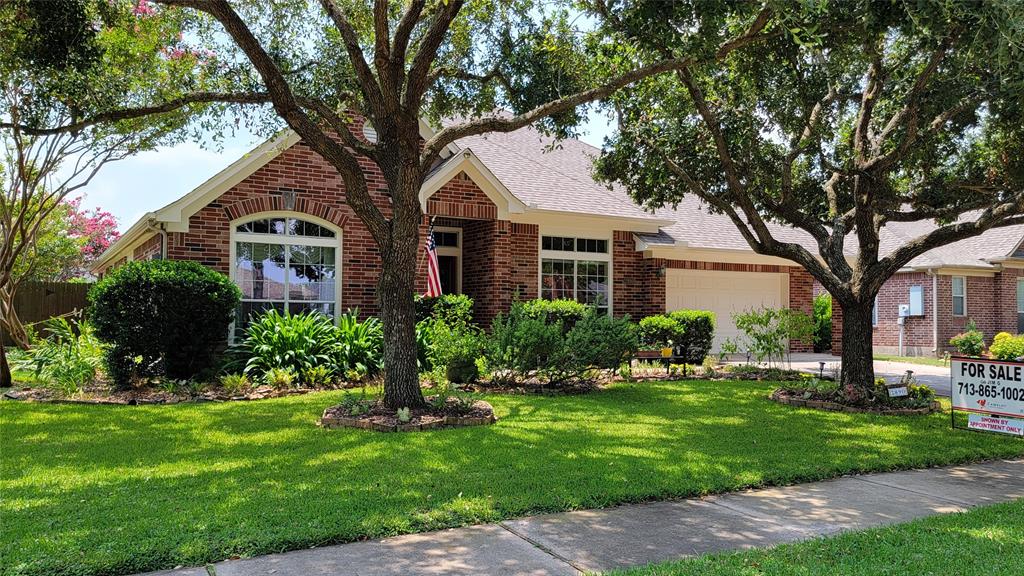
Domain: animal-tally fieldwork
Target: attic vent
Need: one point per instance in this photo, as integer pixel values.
(369, 132)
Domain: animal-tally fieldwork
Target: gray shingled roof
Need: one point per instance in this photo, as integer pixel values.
(560, 177)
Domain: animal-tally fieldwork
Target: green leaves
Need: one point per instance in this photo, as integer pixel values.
(311, 346)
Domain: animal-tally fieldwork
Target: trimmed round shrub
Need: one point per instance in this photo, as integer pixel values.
(1007, 347)
(698, 334)
(659, 331)
(568, 312)
(162, 318)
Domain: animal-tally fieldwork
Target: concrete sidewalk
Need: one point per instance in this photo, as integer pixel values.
(599, 540)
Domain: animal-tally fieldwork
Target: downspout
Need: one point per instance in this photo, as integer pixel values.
(935, 311)
(162, 231)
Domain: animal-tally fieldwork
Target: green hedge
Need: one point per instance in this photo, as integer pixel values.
(529, 345)
(568, 312)
(162, 318)
(690, 332)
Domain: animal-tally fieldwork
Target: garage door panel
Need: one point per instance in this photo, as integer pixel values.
(723, 293)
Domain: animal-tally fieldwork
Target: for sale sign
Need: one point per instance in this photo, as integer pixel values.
(988, 387)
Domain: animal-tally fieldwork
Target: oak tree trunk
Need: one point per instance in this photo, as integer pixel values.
(395, 291)
(858, 370)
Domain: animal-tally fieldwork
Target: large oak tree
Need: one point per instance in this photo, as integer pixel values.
(855, 116)
(317, 63)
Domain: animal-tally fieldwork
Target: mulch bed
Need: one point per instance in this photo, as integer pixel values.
(381, 419)
(137, 396)
(798, 399)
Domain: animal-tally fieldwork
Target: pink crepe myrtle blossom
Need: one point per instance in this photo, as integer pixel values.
(98, 229)
(143, 8)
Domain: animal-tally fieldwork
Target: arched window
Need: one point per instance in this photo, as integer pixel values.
(285, 262)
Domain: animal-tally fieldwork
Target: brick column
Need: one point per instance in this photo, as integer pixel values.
(801, 297)
(837, 328)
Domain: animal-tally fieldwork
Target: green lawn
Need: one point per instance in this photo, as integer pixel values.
(926, 360)
(116, 489)
(985, 541)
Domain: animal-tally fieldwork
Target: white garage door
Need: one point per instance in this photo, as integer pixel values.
(724, 293)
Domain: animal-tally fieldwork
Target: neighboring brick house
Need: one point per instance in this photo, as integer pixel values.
(515, 218)
(979, 279)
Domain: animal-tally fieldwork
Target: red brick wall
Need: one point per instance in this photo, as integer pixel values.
(148, 249)
(991, 303)
(319, 191)
(917, 330)
(1006, 284)
(801, 297)
(524, 256)
(462, 198)
(637, 287)
(487, 266)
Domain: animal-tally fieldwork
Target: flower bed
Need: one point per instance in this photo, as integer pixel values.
(101, 394)
(801, 399)
(374, 416)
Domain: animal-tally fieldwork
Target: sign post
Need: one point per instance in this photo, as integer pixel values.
(991, 392)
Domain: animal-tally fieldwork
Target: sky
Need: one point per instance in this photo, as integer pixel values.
(148, 181)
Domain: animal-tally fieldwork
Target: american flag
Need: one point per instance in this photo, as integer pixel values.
(433, 271)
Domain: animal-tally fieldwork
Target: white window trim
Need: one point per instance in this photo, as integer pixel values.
(953, 296)
(336, 243)
(874, 313)
(576, 256)
(452, 251)
(1020, 301)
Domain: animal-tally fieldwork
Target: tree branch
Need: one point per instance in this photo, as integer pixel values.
(1004, 214)
(450, 134)
(132, 113)
(288, 108)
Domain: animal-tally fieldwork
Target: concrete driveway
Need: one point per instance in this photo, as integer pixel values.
(935, 376)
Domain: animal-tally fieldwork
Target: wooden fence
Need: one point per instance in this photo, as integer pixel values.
(39, 301)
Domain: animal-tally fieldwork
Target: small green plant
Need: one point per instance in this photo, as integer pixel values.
(626, 371)
(768, 331)
(970, 342)
(289, 341)
(68, 359)
(234, 384)
(403, 415)
(316, 376)
(280, 378)
(357, 404)
(168, 385)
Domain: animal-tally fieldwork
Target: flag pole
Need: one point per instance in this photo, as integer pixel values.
(423, 255)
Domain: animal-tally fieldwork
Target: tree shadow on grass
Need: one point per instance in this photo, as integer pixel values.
(118, 489)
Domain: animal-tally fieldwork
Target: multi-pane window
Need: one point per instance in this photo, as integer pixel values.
(576, 269)
(286, 264)
(959, 292)
(1020, 305)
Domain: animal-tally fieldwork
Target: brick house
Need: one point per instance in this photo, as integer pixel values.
(514, 217)
(979, 279)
